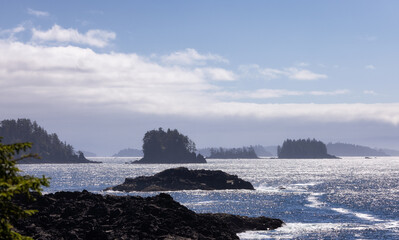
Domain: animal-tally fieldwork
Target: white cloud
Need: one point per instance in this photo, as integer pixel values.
(38, 13)
(370, 67)
(10, 33)
(369, 92)
(72, 78)
(303, 74)
(302, 64)
(332, 93)
(191, 57)
(276, 93)
(272, 73)
(217, 74)
(95, 37)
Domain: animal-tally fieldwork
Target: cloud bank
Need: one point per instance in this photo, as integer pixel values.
(79, 77)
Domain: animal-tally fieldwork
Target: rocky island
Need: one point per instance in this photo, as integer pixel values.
(169, 146)
(183, 179)
(48, 146)
(303, 148)
(84, 215)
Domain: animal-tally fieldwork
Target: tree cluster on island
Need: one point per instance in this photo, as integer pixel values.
(233, 153)
(48, 146)
(169, 146)
(303, 148)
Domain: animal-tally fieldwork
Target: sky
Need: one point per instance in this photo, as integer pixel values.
(225, 73)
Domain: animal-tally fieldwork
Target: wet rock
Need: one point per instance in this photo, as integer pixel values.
(131, 217)
(181, 178)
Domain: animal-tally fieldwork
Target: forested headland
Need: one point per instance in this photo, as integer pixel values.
(346, 149)
(169, 146)
(303, 148)
(48, 146)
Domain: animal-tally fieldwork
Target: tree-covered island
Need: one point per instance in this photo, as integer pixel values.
(303, 148)
(48, 146)
(233, 153)
(169, 146)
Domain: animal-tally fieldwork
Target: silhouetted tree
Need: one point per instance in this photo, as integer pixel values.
(303, 148)
(225, 153)
(169, 147)
(48, 146)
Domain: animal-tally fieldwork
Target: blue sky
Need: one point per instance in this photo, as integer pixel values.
(226, 73)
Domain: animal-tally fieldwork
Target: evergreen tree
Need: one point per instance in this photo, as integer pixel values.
(161, 146)
(13, 184)
(244, 152)
(48, 146)
(303, 148)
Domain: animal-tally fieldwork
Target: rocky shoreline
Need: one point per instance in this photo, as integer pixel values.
(84, 215)
(181, 178)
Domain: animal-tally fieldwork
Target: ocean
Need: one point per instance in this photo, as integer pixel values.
(348, 198)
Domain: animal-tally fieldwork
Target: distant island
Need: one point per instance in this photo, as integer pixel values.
(303, 148)
(129, 152)
(233, 153)
(345, 149)
(390, 152)
(260, 151)
(169, 146)
(181, 178)
(48, 146)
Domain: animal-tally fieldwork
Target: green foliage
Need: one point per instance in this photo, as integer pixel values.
(303, 148)
(165, 146)
(13, 184)
(50, 148)
(244, 152)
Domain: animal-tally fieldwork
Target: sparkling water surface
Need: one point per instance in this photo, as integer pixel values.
(349, 198)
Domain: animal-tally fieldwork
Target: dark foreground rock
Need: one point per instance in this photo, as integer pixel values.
(83, 215)
(181, 178)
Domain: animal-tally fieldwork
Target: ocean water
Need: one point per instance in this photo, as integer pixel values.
(349, 198)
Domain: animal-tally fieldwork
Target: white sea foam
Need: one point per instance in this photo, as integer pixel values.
(264, 188)
(363, 216)
(190, 204)
(291, 230)
(309, 184)
(314, 201)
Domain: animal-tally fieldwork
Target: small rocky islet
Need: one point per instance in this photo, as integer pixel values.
(84, 215)
(182, 178)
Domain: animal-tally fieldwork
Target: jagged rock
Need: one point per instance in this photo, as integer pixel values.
(83, 215)
(181, 178)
